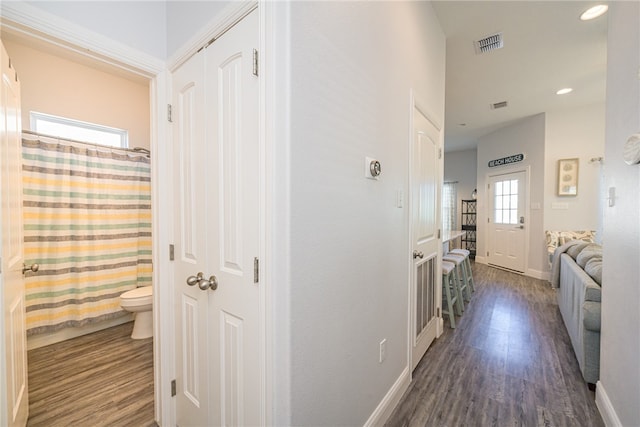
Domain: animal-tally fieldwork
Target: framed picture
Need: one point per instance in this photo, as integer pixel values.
(568, 177)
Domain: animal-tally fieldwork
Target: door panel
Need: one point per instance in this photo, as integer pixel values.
(425, 182)
(217, 165)
(232, 132)
(507, 228)
(190, 228)
(14, 331)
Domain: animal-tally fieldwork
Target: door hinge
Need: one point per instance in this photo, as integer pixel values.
(172, 252)
(173, 388)
(169, 116)
(438, 311)
(256, 270)
(487, 253)
(255, 62)
(439, 153)
(438, 233)
(488, 186)
(488, 219)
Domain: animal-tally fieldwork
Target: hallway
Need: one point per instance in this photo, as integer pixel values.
(509, 362)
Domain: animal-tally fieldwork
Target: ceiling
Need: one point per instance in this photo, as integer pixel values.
(546, 48)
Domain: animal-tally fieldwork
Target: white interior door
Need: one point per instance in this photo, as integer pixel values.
(233, 205)
(217, 233)
(507, 220)
(425, 182)
(14, 409)
(193, 324)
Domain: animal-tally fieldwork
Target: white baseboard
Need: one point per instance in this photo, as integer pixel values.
(481, 260)
(537, 274)
(389, 402)
(603, 403)
(41, 340)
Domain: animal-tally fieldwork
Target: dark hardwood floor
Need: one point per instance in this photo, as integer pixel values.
(100, 379)
(508, 363)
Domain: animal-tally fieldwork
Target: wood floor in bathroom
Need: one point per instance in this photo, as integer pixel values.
(100, 379)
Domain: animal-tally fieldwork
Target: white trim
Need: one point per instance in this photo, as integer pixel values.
(219, 24)
(277, 104)
(162, 220)
(481, 260)
(266, 82)
(34, 22)
(537, 274)
(607, 411)
(388, 403)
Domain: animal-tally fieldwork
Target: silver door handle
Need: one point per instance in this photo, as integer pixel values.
(203, 283)
(417, 254)
(32, 267)
(520, 226)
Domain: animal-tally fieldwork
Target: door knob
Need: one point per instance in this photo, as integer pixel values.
(194, 280)
(417, 254)
(33, 267)
(203, 283)
(212, 283)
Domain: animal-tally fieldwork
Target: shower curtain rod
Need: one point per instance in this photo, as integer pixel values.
(138, 150)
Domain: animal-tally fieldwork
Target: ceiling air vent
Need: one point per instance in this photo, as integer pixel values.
(489, 43)
(500, 104)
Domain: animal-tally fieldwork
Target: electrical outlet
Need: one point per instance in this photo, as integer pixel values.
(383, 350)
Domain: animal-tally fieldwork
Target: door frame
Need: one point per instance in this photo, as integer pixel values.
(415, 102)
(33, 22)
(527, 208)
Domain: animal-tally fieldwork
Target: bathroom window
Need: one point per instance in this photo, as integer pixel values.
(62, 127)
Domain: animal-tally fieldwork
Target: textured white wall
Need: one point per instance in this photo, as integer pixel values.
(620, 339)
(462, 166)
(352, 65)
(525, 136)
(570, 134)
(141, 25)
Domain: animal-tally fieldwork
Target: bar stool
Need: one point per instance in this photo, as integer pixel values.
(463, 289)
(449, 292)
(467, 263)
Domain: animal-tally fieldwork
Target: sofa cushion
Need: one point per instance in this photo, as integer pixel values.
(593, 268)
(587, 253)
(591, 311)
(573, 251)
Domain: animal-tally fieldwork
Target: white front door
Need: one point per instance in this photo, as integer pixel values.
(14, 400)
(425, 220)
(219, 353)
(507, 220)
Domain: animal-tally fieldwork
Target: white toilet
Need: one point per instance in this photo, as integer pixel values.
(140, 302)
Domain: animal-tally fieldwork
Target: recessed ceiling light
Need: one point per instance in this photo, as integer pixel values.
(564, 91)
(594, 12)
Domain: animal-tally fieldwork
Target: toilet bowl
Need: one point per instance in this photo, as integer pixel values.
(140, 302)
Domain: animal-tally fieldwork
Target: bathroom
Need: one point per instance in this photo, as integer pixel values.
(56, 82)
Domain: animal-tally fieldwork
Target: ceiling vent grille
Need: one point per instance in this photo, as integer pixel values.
(489, 43)
(497, 105)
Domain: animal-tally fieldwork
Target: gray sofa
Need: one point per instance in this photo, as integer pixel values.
(577, 273)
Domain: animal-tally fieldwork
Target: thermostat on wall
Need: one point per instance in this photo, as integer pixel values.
(372, 168)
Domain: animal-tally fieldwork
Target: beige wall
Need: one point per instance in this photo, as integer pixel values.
(58, 86)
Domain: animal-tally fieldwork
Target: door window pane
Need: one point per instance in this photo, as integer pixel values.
(506, 202)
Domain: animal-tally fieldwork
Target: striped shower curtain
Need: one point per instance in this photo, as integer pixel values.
(87, 223)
